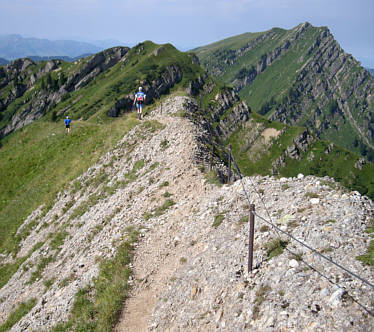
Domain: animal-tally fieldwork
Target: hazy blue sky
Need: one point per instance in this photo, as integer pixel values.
(188, 23)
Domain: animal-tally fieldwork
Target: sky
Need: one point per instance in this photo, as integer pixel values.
(188, 23)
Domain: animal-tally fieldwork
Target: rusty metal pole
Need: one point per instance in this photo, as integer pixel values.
(229, 165)
(211, 153)
(251, 236)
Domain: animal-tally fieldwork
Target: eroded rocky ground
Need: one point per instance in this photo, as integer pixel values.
(189, 269)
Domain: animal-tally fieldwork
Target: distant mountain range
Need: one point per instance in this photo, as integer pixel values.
(371, 71)
(15, 46)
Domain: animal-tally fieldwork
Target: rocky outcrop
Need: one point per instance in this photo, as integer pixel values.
(94, 66)
(196, 86)
(300, 145)
(228, 111)
(295, 151)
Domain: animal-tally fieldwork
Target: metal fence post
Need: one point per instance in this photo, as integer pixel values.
(251, 236)
(229, 165)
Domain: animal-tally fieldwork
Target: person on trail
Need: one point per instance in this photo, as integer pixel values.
(67, 124)
(139, 100)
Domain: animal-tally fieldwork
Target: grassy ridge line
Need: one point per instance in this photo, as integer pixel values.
(141, 64)
(40, 160)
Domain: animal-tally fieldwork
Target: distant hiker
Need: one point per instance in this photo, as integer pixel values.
(67, 124)
(139, 101)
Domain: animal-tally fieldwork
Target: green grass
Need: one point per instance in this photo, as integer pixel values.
(212, 178)
(368, 258)
(58, 240)
(275, 247)
(339, 163)
(37, 274)
(96, 307)
(40, 160)
(160, 210)
(7, 270)
(218, 219)
(15, 316)
(260, 163)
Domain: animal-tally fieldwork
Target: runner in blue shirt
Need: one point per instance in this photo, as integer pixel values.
(67, 124)
(139, 100)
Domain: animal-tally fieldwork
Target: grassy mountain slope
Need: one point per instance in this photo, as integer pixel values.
(41, 159)
(38, 160)
(300, 77)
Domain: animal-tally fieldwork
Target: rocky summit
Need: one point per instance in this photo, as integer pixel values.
(189, 264)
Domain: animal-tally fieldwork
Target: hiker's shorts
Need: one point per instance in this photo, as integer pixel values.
(139, 106)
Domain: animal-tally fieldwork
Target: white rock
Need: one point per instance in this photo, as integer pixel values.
(314, 201)
(336, 298)
(300, 176)
(293, 263)
(324, 292)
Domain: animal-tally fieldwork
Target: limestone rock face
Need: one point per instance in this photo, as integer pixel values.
(97, 64)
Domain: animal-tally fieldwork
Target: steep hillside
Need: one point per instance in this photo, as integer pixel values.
(150, 197)
(300, 77)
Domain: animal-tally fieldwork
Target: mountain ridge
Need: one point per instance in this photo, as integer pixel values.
(299, 76)
(152, 182)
